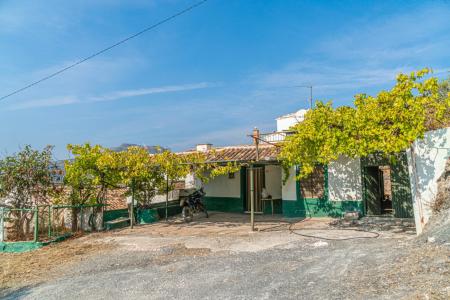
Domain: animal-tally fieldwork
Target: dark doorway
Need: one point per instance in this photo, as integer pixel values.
(386, 199)
(378, 190)
(259, 184)
(397, 195)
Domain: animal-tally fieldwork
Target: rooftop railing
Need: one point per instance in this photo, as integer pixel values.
(275, 137)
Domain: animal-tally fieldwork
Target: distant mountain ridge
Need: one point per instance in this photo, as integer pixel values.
(150, 149)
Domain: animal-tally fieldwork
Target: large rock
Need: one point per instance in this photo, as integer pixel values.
(438, 227)
(442, 200)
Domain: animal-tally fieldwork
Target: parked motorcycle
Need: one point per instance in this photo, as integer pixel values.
(193, 204)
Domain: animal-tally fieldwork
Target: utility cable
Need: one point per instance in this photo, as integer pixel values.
(181, 12)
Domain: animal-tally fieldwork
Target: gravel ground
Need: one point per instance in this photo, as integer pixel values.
(209, 260)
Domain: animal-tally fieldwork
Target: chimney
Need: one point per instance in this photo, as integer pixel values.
(203, 147)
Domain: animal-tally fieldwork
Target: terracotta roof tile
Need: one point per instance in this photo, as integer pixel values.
(242, 153)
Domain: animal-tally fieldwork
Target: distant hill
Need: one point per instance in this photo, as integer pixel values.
(150, 149)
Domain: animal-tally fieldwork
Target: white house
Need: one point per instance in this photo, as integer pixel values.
(371, 185)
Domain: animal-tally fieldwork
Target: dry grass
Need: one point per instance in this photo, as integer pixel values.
(48, 262)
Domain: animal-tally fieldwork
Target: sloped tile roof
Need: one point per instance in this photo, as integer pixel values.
(242, 153)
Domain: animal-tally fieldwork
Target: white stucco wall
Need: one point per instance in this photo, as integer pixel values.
(159, 198)
(288, 191)
(273, 180)
(428, 162)
(192, 182)
(344, 179)
(222, 186)
(285, 122)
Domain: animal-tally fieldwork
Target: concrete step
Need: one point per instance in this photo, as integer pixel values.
(381, 223)
(406, 222)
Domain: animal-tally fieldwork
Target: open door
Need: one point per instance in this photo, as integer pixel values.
(372, 190)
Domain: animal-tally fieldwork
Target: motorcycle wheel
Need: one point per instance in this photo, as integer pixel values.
(186, 214)
(203, 209)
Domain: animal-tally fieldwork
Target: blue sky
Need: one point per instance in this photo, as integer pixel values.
(208, 76)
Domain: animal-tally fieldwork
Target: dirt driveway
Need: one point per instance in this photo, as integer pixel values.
(220, 258)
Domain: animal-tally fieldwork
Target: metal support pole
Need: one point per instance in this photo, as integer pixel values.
(2, 225)
(36, 225)
(256, 138)
(49, 221)
(310, 87)
(252, 198)
(167, 198)
(81, 217)
(132, 206)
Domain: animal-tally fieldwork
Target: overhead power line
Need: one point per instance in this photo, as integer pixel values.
(181, 12)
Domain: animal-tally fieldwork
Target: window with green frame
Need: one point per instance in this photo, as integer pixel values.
(313, 186)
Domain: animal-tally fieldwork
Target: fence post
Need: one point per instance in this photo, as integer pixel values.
(2, 225)
(132, 206)
(81, 217)
(49, 221)
(167, 198)
(36, 224)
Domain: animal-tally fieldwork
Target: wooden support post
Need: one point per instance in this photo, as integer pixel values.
(36, 225)
(256, 137)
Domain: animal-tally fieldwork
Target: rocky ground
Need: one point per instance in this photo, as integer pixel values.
(221, 258)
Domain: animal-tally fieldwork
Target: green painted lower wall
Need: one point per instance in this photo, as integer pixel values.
(158, 211)
(173, 208)
(19, 247)
(277, 207)
(147, 216)
(110, 215)
(319, 208)
(236, 205)
(224, 204)
(322, 207)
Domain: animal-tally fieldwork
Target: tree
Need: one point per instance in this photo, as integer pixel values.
(89, 175)
(95, 169)
(26, 181)
(140, 173)
(387, 124)
(176, 167)
(444, 93)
